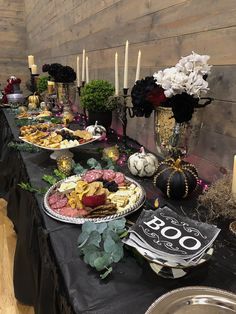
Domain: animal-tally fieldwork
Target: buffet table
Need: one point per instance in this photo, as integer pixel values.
(48, 271)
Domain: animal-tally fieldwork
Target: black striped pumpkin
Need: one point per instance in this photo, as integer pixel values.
(176, 178)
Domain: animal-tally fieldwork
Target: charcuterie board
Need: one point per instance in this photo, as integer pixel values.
(98, 196)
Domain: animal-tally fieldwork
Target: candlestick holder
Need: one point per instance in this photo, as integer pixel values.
(79, 89)
(123, 110)
(33, 79)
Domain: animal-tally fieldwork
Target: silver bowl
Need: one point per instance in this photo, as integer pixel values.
(195, 300)
(15, 98)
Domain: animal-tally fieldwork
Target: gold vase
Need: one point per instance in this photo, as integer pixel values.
(172, 137)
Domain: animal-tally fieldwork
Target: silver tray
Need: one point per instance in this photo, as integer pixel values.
(73, 220)
(195, 300)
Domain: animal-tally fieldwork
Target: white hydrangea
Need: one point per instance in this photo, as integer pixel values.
(186, 76)
(194, 63)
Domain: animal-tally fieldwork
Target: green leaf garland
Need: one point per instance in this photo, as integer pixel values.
(28, 187)
(24, 147)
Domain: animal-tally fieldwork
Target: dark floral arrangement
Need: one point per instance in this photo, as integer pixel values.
(179, 87)
(146, 95)
(60, 73)
(9, 89)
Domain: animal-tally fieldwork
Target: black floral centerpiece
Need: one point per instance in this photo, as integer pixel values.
(174, 94)
(60, 73)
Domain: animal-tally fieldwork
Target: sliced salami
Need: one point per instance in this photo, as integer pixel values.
(92, 175)
(59, 204)
(69, 212)
(53, 198)
(82, 212)
(119, 178)
(108, 175)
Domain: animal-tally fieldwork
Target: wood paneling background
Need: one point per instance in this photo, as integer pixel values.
(13, 40)
(58, 30)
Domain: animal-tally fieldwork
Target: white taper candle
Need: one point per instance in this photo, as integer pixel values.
(87, 71)
(138, 67)
(116, 75)
(126, 64)
(83, 66)
(77, 71)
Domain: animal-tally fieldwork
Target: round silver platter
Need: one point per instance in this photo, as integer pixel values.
(73, 220)
(195, 300)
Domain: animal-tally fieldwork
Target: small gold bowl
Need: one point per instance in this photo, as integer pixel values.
(232, 227)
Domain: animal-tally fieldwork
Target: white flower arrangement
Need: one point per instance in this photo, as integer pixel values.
(185, 77)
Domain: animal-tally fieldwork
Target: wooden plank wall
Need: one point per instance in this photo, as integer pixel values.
(58, 30)
(13, 40)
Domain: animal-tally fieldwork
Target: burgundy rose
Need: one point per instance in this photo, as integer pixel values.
(156, 96)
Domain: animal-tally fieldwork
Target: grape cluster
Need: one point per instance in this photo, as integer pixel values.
(112, 186)
(68, 135)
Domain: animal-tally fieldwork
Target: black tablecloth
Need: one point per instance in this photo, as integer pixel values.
(48, 272)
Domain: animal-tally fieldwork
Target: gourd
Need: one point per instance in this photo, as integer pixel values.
(32, 106)
(96, 130)
(142, 164)
(67, 117)
(22, 109)
(43, 106)
(176, 178)
(34, 99)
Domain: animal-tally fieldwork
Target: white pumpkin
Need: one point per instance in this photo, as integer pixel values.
(96, 130)
(142, 164)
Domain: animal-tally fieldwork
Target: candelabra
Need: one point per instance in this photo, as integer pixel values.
(80, 87)
(123, 110)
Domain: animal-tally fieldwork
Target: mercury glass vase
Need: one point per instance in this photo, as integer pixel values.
(172, 137)
(66, 95)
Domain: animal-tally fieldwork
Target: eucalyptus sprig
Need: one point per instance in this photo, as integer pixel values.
(49, 179)
(101, 244)
(59, 174)
(28, 187)
(52, 179)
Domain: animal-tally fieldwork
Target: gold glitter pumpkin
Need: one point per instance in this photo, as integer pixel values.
(34, 99)
(32, 106)
(65, 164)
(176, 178)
